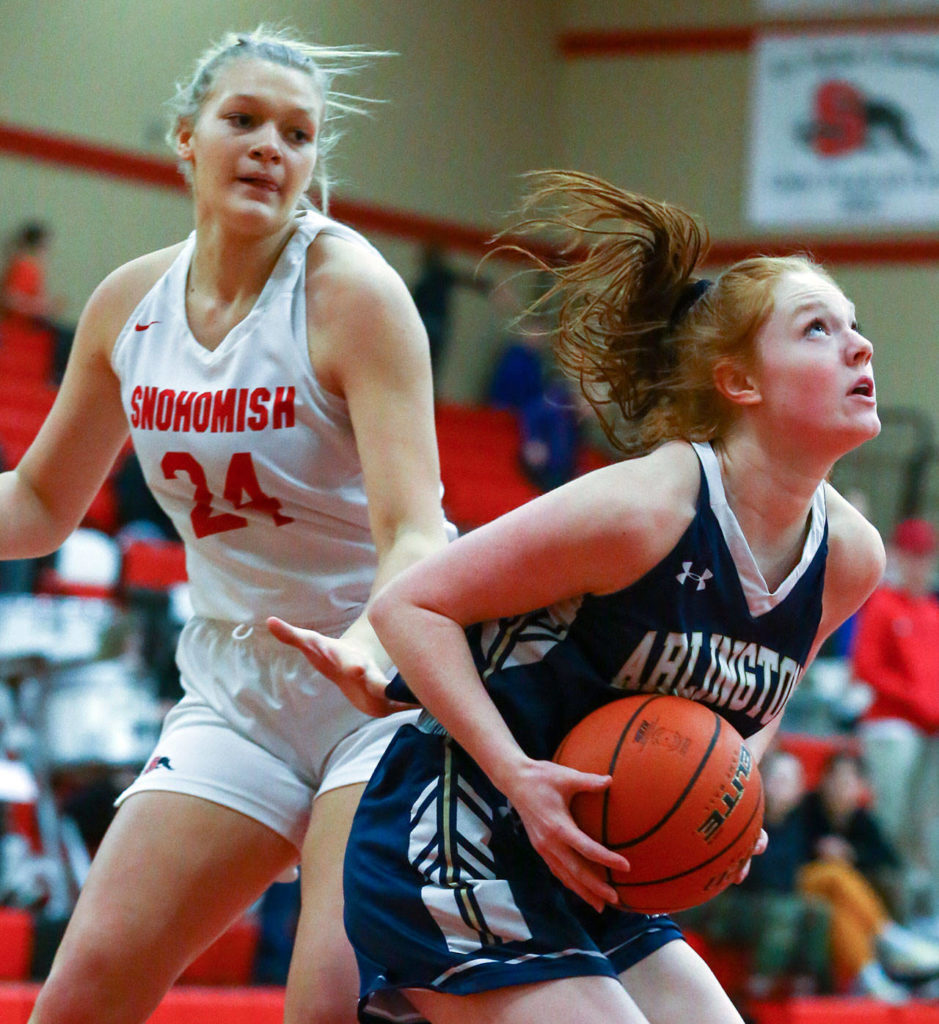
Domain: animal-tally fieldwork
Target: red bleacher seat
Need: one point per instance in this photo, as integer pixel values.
(814, 751)
(16, 944)
(189, 1004)
(479, 465)
(229, 960)
(830, 1010)
(24, 361)
(153, 565)
(730, 964)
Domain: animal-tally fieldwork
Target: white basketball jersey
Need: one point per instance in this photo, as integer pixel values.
(252, 459)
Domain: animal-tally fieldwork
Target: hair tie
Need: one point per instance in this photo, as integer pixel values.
(688, 297)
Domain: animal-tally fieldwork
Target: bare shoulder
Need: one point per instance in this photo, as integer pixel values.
(358, 305)
(666, 480)
(116, 297)
(856, 555)
(642, 506)
(345, 279)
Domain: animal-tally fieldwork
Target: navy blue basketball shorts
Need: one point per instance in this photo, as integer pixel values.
(444, 891)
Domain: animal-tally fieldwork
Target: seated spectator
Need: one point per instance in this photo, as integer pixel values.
(27, 309)
(814, 918)
(786, 934)
(518, 377)
(842, 825)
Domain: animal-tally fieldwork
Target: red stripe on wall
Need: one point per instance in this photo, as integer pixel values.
(844, 251)
(64, 150)
(145, 169)
(587, 43)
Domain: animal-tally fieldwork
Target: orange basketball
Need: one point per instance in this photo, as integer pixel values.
(686, 803)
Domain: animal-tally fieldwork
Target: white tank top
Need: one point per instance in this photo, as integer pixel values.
(252, 459)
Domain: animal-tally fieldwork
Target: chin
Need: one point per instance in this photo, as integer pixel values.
(861, 433)
(257, 218)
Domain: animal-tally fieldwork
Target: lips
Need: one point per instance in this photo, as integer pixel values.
(260, 181)
(864, 387)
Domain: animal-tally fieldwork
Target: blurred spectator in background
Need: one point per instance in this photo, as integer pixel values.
(24, 295)
(812, 919)
(854, 868)
(522, 364)
(896, 654)
(550, 425)
(787, 934)
(842, 825)
(432, 292)
(27, 308)
(525, 381)
(841, 643)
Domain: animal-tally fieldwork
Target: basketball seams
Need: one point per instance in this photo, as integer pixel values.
(757, 812)
(702, 764)
(611, 768)
(669, 764)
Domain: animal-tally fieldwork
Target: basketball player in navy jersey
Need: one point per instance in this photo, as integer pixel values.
(275, 378)
(711, 564)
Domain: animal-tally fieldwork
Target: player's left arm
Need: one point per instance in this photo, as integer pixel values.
(369, 346)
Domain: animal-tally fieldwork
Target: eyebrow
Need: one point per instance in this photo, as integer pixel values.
(813, 305)
(249, 97)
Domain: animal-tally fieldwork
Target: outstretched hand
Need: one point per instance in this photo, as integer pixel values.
(344, 663)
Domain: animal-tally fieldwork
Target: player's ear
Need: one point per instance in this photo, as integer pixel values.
(737, 383)
(184, 139)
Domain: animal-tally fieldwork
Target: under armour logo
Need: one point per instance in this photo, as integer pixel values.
(687, 574)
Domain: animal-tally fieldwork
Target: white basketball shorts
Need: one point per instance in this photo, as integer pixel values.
(259, 730)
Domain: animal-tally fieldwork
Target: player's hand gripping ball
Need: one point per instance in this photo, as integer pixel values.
(685, 806)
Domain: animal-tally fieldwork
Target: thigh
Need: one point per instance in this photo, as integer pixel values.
(323, 983)
(172, 873)
(675, 984)
(586, 1000)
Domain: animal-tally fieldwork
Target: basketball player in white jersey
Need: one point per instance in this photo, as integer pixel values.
(275, 378)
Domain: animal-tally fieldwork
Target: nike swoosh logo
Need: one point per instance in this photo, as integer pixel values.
(144, 327)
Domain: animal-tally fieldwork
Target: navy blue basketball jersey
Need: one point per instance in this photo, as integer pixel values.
(701, 624)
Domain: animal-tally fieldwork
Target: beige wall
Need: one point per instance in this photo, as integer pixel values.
(476, 94)
(466, 98)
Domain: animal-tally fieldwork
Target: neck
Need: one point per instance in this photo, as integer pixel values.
(771, 497)
(228, 266)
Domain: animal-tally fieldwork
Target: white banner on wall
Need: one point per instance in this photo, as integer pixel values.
(845, 130)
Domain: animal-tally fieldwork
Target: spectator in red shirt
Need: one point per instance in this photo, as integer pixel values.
(896, 653)
(28, 311)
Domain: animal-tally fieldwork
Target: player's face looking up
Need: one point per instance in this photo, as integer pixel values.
(253, 146)
(814, 376)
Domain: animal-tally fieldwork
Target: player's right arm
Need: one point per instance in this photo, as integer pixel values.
(596, 534)
(46, 496)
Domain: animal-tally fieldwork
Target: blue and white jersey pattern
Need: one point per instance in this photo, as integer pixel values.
(443, 888)
(701, 624)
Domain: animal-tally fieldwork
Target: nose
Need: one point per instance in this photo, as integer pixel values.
(266, 144)
(860, 350)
